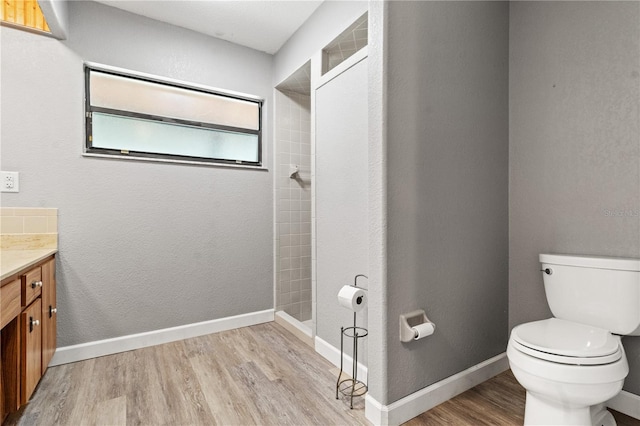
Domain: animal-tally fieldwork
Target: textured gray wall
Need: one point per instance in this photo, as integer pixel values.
(342, 243)
(447, 148)
(143, 246)
(377, 193)
(574, 96)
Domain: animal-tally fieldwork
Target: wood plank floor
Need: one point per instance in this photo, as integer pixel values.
(498, 401)
(249, 376)
(260, 375)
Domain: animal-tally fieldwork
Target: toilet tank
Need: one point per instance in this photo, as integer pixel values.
(600, 291)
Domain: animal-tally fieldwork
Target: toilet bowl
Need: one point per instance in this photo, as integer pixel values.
(570, 365)
(561, 388)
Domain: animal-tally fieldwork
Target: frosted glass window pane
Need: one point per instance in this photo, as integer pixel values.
(130, 94)
(133, 134)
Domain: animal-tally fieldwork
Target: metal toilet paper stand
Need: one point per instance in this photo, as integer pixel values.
(352, 386)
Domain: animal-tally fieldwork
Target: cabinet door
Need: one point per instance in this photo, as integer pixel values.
(31, 349)
(1, 395)
(10, 360)
(49, 310)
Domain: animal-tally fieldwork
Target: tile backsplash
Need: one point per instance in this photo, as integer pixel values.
(25, 228)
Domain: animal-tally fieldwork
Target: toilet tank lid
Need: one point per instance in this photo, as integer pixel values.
(600, 262)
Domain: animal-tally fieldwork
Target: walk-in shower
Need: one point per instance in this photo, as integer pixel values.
(293, 196)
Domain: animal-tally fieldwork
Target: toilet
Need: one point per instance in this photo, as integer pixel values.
(571, 364)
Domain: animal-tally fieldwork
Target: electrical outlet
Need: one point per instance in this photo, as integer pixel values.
(9, 182)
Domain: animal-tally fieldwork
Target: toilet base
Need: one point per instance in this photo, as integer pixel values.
(541, 411)
(600, 416)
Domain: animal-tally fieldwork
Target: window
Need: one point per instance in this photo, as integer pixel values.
(138, 116)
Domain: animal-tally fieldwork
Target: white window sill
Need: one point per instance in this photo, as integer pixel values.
(166, 160)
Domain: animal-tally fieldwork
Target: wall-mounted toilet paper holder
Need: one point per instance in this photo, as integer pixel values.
(415, 325)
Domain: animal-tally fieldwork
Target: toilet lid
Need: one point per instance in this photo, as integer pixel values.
(568, 342)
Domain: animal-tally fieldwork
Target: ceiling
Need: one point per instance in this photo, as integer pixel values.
(263, 25)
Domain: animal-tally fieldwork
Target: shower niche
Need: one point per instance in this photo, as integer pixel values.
(351, 40)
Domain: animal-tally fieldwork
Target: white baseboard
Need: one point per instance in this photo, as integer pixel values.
(332, 354)
(99, 348)
(425, 399)
(626, 403)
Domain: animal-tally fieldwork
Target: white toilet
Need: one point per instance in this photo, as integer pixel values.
(572, 364)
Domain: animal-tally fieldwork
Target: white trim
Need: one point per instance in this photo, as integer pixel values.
(316, 71)
(115, 345)
(342, 67)
(28, 29)
(173, 81)
(274, 180)
(172, 161)
(375, 412)
(626, 403)
(425, 399)
(332, 354)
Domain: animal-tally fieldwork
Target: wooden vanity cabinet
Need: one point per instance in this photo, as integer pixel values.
(49, 313)
(28, 333)
(10, 302)
(10, 368)
(30, 349)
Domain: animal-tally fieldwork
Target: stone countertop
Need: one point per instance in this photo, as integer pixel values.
(13, 261)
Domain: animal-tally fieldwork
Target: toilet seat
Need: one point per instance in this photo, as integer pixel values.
(567, 342)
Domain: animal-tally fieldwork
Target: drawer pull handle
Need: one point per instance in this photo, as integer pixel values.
(33, 323)
(36, 284)
(52, 311)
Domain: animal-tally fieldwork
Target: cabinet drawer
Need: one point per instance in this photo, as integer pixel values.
(31, 285)
(9, 302)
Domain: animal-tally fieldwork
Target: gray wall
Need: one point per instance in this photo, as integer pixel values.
(143, 246)
(447, 211)
(574, 100)
(342, 243)
(377, 190)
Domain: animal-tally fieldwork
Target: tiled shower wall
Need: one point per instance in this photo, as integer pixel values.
(346, 44)
(293, 204)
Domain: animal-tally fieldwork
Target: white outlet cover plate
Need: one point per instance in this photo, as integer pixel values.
(9, 182)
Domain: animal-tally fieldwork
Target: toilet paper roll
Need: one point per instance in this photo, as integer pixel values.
(423, 330)
(352, 298)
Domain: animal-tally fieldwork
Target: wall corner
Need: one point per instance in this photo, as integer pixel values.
(56, 12)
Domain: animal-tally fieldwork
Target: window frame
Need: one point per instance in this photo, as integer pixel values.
(90, 150)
